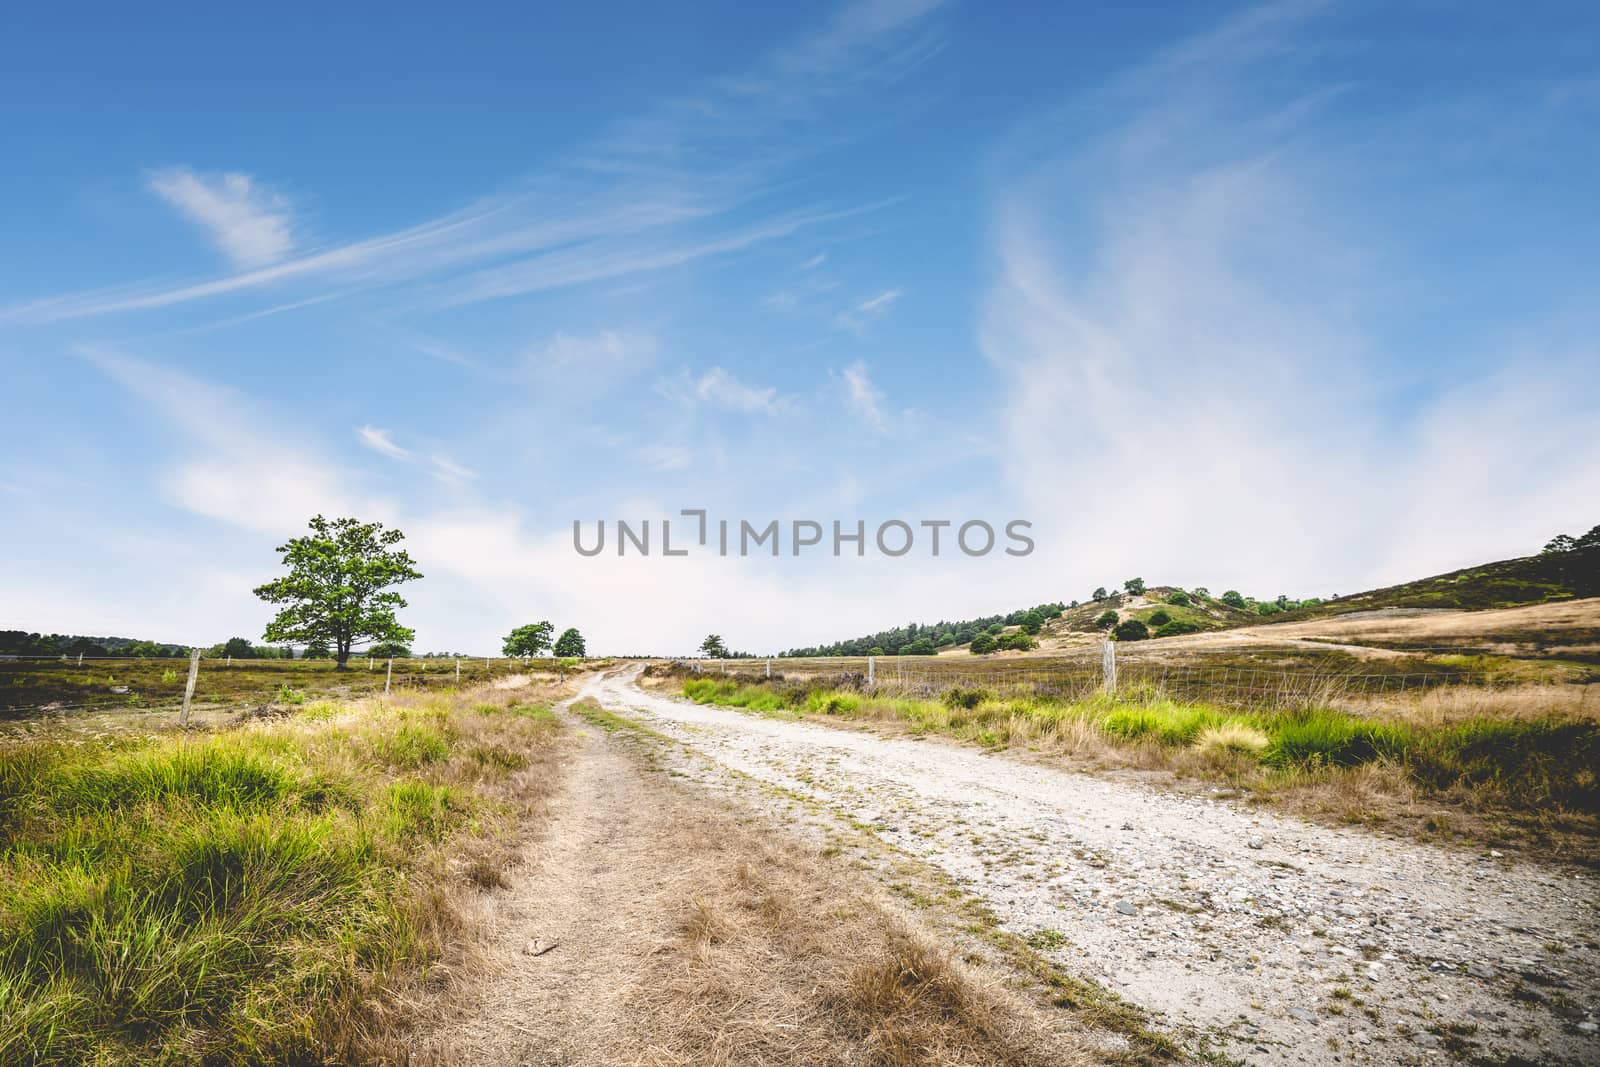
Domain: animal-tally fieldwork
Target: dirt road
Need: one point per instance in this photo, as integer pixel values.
(1278, 940)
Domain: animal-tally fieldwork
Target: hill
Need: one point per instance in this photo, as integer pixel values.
(1505, 584)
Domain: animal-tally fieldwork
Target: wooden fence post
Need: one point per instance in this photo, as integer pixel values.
(188, 688)
(458, 672)
(871, 671)
(1108, 666)
(388, 677)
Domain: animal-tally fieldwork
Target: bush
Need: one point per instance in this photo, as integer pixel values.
(1233, 599)
(1332, 738)
(1106, 619)
(1159, 617)
(1018, 642)
(1180, 599)
(1176, 627)
(983, 644)
(959, 697)
(1132, 630)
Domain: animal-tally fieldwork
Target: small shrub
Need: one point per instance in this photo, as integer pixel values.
(958, 697)
(1106, 619)
(1158, 618)
(1329, 737)
(1180, 599)
(1177, 627)
(1131, 630)
(982, 645)
(1232, 735)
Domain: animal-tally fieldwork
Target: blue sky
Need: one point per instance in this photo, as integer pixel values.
(1295, 297)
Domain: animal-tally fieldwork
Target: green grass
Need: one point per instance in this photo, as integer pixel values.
(1519, 763)
(232, 898)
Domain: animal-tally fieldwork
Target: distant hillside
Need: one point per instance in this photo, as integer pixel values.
(1560, 573)
(1506, 584)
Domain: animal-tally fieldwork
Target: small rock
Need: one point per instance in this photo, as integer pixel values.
(1127, 826)
(1479, 970)
(1587, 1027)
(1256, 842)
(1303, 1015)
(1126, 908)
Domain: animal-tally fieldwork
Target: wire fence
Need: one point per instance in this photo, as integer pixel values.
(1108, 671)
(46, 685)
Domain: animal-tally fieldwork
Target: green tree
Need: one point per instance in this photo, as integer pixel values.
(338, 589)
(1159, 617)
(238, 648)
(317, 650)
(1560, 543)
(1233, 599)
(1106, 619)
(1179, 599)
(530, 640)
(570, 643)
(1099, 593)
(389, 650)
(1132, 630)
(713, 648)
(1032, 622)
(922, 646)
(1134, 586)
(982, 645)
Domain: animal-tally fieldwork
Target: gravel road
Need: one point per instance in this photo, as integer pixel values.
(1279, 940)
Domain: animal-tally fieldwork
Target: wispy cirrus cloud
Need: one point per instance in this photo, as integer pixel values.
(719, 388)
(694, 177)
(249, 223)
(381, 442)
(862, 396)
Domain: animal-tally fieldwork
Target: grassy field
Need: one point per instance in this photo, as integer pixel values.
(1522, 760)
(255, 893)
(29, 685)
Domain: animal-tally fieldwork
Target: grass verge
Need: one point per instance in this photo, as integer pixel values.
(250, 895)
(1499, 772)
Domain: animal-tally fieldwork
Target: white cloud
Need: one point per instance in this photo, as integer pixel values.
(240, 469)
(880, 302)
(864, 398)
(250, 224)
(1191, 386)
(450, 472)
(380, 441)
(872, 308)
(721, 389)
(815, 261)
(588, 365)
(653, 193)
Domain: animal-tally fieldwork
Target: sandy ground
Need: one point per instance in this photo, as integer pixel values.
(1278, 940)
(566, 942)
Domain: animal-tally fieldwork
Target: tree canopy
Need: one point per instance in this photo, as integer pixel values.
(530, 640)
(338, 592)
(713, 648)
(570, 643)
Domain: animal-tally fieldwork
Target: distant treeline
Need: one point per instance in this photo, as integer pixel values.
(22, 643)
(924, 639)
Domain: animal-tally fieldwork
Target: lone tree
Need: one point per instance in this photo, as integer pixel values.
(570, 643)
(1135, 586)
(337, 593)
(713, 648)
(530, 640)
